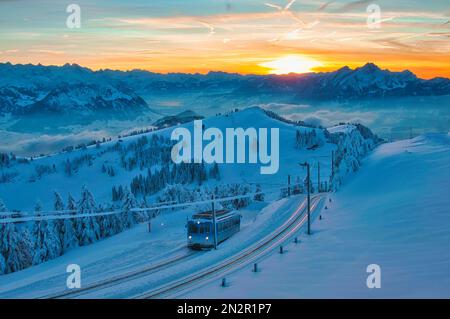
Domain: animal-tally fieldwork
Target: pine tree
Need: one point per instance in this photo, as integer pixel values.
(298, 139)
(88, 228)
(2, 259)
(214, 172)
(129, 202)
(15, 247)
(2, 207)
(259, 196)
(2, 264)
(71, 204)
(47, 244)
(65, 228)
(105, 225)
(15, 258)
(58, 203)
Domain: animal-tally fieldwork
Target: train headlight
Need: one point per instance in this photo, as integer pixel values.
(190, 237)
(207, 238)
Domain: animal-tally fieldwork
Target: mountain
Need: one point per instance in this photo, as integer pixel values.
(70, 89)
(86, 99)
(368, 81)
(371, 81)
(73, 89)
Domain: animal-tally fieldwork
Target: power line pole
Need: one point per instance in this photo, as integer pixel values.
(309, 195)
(318, 177)
(289, 186)
(214, 222)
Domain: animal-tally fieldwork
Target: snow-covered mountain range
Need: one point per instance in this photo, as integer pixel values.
(70, 88)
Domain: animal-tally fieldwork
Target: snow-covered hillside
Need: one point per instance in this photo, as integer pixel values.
(394, 213)
(67, 172)
(137, 171)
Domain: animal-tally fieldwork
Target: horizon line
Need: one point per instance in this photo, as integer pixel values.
(216, 71)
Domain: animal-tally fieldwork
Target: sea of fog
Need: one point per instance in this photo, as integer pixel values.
(391, 119)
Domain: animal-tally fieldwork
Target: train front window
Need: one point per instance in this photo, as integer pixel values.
(204, 228)
(192, 228)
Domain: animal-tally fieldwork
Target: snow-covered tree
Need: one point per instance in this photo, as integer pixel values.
(71, 204)
(58, 203)
(65, 228)
(214, 172)
(46, 242)
(2, 264)
(15, 247)
(2, 259)
(129, 218)
(259, 196)
(2, 207)
(88, 229)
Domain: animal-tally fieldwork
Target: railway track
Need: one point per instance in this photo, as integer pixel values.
(251, 254)
(123, 277)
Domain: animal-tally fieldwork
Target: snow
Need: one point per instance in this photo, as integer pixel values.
(136, 248)
(394, 213)
(100, 184)
(344, 128)
(30, 182)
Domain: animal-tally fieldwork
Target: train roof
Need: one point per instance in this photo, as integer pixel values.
(220, 214)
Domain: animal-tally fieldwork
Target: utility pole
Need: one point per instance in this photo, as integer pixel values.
(289, 186)
(214, 222)
(309, 195)
(318, 177)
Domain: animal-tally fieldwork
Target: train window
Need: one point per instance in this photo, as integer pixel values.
(192, 228)
(204, 228)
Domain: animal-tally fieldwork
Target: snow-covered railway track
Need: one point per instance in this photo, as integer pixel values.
(253, 253)
(124, 277)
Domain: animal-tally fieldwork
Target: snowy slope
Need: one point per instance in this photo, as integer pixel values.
(135, 249)
(141, 163)
(394, 213)
(32, 188)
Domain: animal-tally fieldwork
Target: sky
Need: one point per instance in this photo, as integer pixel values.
(243, 36)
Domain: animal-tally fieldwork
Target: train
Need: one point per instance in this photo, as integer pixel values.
(200, 232)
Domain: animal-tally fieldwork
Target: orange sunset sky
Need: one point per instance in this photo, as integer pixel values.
(245, 36)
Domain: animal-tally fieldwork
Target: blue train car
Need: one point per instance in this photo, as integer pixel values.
(200, 233)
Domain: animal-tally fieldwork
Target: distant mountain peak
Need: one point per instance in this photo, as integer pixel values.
(344, 69)
(369, 68)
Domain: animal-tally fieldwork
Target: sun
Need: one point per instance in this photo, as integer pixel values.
(291, 64)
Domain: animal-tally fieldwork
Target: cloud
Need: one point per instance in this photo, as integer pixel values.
(355, 5)
(53, 52)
